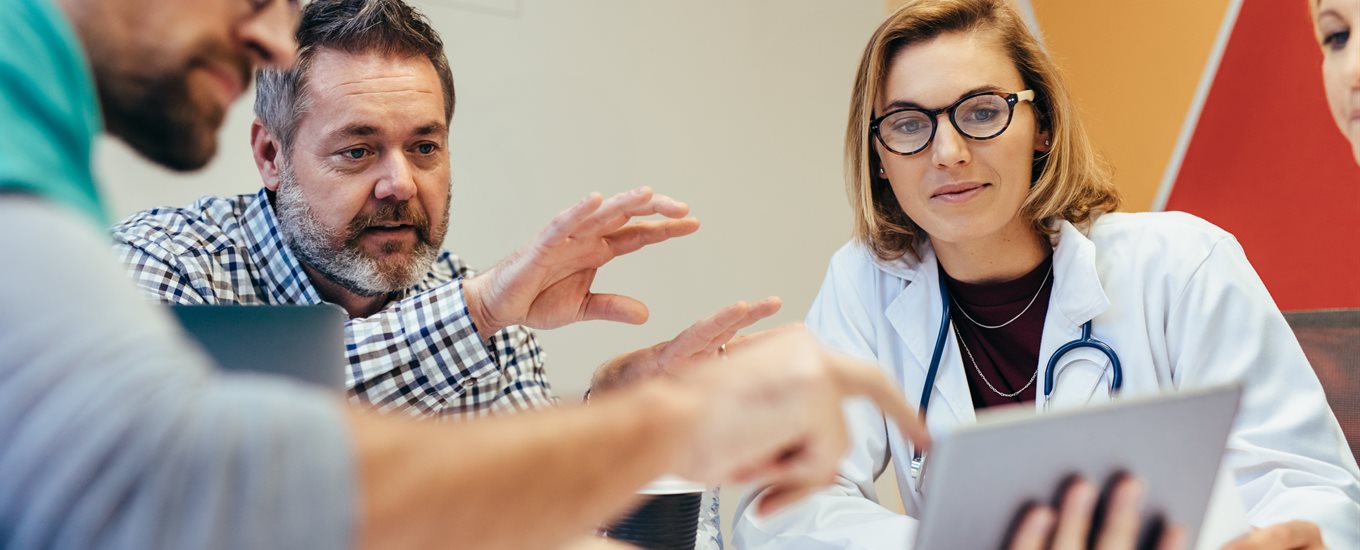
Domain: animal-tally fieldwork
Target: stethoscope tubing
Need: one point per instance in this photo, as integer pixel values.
(1050, 370)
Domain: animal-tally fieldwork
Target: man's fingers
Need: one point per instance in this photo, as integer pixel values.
(757, 311)
(605, 221)
(658, 204)
(1119, 531)
(698, 336)
(568, 221)
(637, 235)
(763, 309)
(613, 206)
(595, 216)
(705, 336)
(760, 310)
(663, 205)
(855, 377)
(717, 342)
(616, 211)
(1032, 534)
(747, 339)
(613, 307)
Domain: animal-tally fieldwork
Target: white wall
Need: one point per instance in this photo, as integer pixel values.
(735, 106)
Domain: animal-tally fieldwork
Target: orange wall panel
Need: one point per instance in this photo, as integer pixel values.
(1134, 68)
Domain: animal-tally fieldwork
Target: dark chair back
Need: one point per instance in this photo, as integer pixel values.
(1331, 340)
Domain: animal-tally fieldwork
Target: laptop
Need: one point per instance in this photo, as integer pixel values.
(305, 343)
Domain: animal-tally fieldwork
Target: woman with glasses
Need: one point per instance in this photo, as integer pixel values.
(976, 191)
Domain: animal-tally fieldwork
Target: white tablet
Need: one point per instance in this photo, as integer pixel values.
(978, 479)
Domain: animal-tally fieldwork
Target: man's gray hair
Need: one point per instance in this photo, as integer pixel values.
(388, 27)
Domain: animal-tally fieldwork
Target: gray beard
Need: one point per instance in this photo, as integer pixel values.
(342, 262)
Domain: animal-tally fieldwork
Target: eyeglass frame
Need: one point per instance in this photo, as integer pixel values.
(1012, 99)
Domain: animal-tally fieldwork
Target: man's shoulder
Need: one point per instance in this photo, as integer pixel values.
(210, 225)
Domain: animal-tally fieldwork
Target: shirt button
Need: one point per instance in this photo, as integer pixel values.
(469, 382)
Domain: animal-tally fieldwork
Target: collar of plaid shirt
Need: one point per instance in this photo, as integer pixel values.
(286, 281)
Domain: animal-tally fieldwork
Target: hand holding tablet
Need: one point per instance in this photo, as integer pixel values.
(1013, 462)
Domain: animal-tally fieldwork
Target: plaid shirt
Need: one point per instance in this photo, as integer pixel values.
(421, 354)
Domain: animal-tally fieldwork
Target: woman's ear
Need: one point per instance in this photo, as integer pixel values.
(1043, 141)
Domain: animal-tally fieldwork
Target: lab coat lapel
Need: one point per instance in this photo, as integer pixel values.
(915, 315)
(1081, 376)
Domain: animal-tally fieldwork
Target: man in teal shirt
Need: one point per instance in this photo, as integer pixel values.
(96, 389)
(114, 433)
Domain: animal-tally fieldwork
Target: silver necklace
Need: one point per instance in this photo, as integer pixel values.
(978, 370)
(1022, 312)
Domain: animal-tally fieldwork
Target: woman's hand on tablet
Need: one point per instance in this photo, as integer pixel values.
(1076, 525)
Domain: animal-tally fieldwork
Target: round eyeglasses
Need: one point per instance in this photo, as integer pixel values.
(979, 116)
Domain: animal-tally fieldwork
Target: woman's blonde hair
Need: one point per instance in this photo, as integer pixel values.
(1070, 182)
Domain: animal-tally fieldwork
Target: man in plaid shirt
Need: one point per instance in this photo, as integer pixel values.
(353, 211)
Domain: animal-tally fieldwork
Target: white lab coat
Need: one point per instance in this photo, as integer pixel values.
(1177, 300)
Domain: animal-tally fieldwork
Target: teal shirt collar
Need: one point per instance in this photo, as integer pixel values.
(49, 109)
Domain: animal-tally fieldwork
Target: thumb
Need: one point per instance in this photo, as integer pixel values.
(613, 307)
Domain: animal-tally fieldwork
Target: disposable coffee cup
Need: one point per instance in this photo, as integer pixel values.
(667, 518)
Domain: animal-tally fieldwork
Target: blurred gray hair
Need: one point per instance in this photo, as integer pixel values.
(388, 27)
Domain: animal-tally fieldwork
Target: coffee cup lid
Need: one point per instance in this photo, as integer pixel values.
(672, 485)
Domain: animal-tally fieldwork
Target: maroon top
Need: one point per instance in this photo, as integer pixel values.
(1008, 356)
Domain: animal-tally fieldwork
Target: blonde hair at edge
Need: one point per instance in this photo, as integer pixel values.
(1071, 182)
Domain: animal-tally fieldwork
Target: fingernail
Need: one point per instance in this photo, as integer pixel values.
(1039, 526)
(1133, 494)
(1085, 495)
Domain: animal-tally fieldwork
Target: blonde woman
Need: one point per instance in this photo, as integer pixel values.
(976, 191)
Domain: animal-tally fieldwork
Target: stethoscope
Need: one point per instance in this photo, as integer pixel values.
(1050, 371)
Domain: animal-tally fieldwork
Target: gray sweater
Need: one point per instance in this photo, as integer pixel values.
(116, 433)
